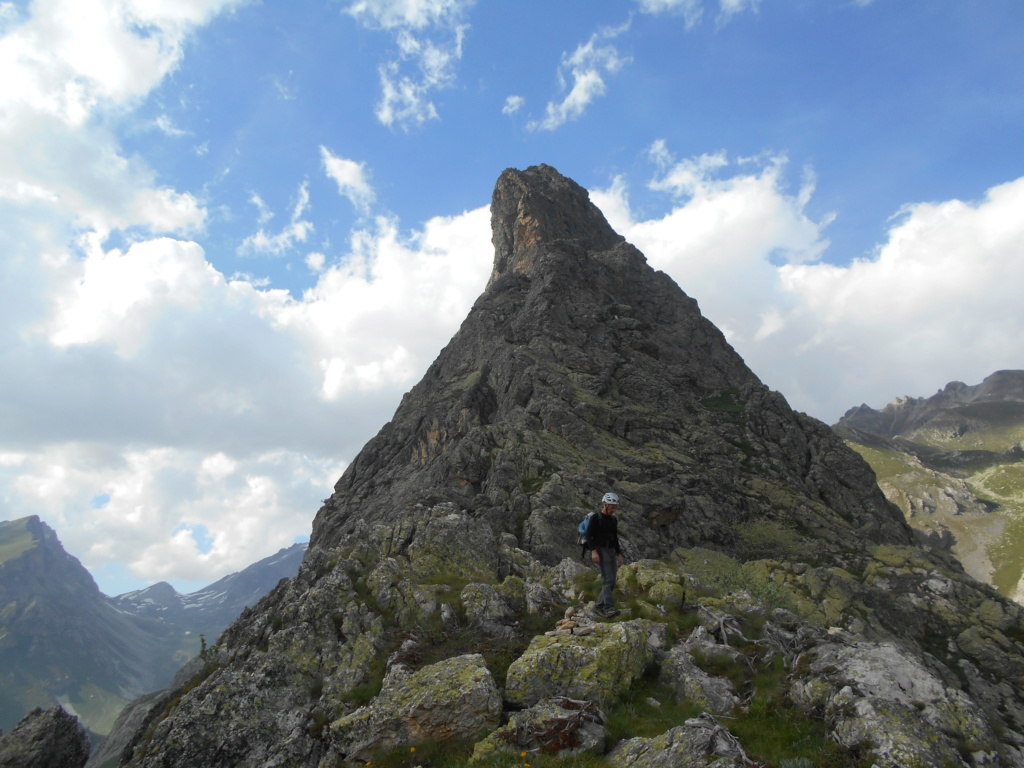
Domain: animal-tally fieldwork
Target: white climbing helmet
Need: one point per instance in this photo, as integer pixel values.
(610, 498)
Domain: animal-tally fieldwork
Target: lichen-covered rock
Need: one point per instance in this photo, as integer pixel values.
(45, 739)
(880, 695)
(703, 644)
(487, 609)
(558, 726)
(654, 581)
(690, 683)
(410, 603)
(567, 576)
(699, 743)
(596, 667)
(453, 699)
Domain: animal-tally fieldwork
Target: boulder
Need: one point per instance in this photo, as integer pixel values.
(690, 683)
(597, 667)
(881, 696)
(453, 699)
(45, 739)
(557, 726)
(699, 743)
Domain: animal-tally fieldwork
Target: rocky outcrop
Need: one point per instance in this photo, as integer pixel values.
(689, 682)
(555, 726)
(699, 743)
(45, 739)
(445, 561)
(880, 694)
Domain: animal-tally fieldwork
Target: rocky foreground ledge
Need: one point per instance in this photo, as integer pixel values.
(904, 662)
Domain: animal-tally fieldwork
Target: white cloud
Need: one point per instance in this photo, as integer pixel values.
(143, 507)
(938, 300)
(117, 295)
(315, 261)
(693, 10)
(296, 231)
(729, 8)
(372, 319)
(64, 63)
(198, 402)
(585, 68)
(429, 36)
(512, 105)
(165, 125)
(406, 14)
(265, 213)
(351, 178)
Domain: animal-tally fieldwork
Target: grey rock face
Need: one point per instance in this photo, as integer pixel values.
(581, 369)
(45, 739)
(881, 695)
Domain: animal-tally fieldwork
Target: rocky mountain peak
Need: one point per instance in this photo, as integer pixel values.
(540, 206)
(579, 370)
(442, 598)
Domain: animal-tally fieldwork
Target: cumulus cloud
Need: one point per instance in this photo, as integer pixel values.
(351, 178)
(428, 35)
(582, 74)
(146, 507)
(64, 62)
(936, 301)
(163, 415)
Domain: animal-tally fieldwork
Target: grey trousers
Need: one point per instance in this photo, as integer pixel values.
(609, 570)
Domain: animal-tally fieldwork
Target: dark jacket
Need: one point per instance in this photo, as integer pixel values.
(603, 531)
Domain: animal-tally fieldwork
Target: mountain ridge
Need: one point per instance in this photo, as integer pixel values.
(952, 463)
(62, 641)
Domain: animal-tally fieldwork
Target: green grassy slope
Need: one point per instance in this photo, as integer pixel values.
(968, 482)
(15, 539)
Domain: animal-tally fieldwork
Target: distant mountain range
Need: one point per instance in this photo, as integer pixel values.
(62, 641)
(954, 464)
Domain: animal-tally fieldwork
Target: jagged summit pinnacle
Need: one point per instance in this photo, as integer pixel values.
(540, 206)
(579, 370)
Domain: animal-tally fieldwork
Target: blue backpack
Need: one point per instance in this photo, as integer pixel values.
(581, 537)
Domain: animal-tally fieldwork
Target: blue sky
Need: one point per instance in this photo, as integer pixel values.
(233, 233)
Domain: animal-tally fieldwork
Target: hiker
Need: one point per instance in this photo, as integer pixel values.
(603, 537)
